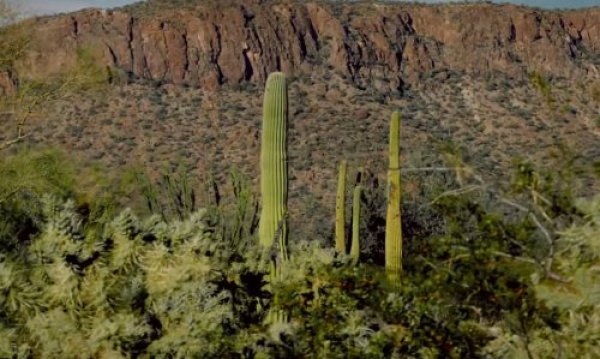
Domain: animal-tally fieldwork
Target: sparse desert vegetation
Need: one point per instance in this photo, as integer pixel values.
(326, 213)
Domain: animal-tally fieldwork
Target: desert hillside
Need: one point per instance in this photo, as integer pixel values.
(186, 77)
(173, 184)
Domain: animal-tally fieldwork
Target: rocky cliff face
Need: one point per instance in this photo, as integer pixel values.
(7, 82)
(376, 45)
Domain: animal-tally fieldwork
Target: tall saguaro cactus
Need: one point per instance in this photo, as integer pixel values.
(393, 228)
(340, 209)
(355, 248)
(273, 164)
(355, 245)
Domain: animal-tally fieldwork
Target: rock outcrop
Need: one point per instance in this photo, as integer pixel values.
(8, 83)
(374, 44)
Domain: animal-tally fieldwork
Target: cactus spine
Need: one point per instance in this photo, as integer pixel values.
(393, 228)
(340, 210)
(273, 164)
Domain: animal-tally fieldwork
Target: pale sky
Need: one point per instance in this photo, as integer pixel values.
(53, 6)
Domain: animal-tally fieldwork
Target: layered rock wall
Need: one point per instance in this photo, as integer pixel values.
(375, 45)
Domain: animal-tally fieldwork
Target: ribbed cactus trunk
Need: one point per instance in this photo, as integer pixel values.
(393, 228)
(355, 249)
(273, 164)
(340, 210)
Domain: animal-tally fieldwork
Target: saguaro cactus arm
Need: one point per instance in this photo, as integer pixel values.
(273, 164)
(393, 228)
(340, 210)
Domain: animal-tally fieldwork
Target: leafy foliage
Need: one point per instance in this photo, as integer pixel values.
(481, 278)
(575, 298)
(26, 177)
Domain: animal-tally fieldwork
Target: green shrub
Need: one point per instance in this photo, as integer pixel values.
(489, 271)
(574, 295)
(25, 178)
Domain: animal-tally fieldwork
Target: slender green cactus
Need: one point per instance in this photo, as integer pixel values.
(393, 228)
(273, 162)
(340, 210)
(355, 248)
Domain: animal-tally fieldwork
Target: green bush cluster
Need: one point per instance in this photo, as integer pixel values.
(161, 287)
(574, 298)
(148, 288)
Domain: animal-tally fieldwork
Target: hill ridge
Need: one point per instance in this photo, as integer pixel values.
(382, 46)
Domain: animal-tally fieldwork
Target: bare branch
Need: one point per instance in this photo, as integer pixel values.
(456, 192)
(517, 258)
(28, 100)
(541, 227)
(429, 169)
(14, 141)
(514, 204)
(536, 196)
(547, 273)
